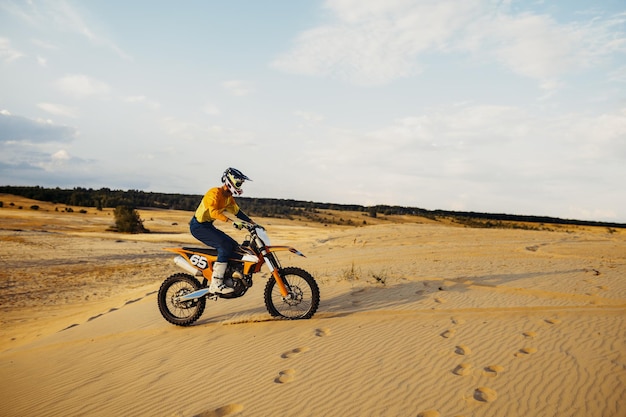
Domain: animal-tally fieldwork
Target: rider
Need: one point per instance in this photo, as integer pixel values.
(211, 208)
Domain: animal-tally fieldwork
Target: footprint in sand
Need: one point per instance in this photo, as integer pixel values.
(553, 321)
(463, 350)
(227, 410)
(286, 376)
(525, 351)
(294, 352)
(530, 335)
(440, 300)
(485, 394)
(448, 333)
(456, 320)
(492, 371)
(321, 332)
(463, 369)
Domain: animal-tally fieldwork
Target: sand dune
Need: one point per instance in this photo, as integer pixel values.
(416, 319)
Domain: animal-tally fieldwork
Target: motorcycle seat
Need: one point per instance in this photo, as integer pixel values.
(206, 251)
(210, 251)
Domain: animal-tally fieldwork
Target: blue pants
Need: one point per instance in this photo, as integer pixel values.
(210, 235)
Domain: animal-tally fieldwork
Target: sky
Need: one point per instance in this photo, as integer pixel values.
(506, 106)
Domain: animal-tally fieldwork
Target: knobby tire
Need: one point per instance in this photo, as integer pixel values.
(181, 314)
(303, 284)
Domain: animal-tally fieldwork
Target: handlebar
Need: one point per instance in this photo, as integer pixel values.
(249, 226)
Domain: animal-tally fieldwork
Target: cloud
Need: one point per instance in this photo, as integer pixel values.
(237, 87)
(618, 75)
(7, 53)
(81, 86)
(488, 146)
(61, 155)
(375, 42)
(211, 109)
(475, 157)
(143, 100)
(207, 134)
(61, 16)
(529, 45)
(21, 129)
(308, 116)
(538, 47)
(58, 109)
(59, 161)
(49, 169)
(44, 44)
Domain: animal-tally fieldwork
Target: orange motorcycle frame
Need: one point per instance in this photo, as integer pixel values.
(199, 261)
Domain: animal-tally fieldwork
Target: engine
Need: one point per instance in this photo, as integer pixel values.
(235, 278)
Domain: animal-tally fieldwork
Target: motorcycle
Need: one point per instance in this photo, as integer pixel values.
(290, 292)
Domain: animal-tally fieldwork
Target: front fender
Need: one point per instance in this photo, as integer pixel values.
(284, 248)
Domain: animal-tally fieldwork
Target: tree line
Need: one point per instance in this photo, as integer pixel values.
(260, 207)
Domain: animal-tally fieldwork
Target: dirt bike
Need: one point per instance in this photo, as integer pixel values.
(290, 292)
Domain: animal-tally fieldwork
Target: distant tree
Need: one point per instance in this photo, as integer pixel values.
(127, 220)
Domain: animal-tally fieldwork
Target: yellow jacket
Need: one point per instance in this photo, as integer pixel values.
(214, 203)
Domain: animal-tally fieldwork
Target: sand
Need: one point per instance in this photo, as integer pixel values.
(417, 318)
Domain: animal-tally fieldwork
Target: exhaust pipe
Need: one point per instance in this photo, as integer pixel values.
(181, 262)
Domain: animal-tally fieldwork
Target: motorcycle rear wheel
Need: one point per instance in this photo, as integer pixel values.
(183, 313)
(304, 296)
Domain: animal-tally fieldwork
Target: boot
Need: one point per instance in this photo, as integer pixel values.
(217, 279)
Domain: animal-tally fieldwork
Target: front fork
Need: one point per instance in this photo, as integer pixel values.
(269, 260)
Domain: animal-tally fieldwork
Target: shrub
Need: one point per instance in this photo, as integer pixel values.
(127, 220)
(380, 277)
(352, 274)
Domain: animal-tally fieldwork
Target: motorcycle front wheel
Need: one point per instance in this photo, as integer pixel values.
(303, 298)
(180, 313)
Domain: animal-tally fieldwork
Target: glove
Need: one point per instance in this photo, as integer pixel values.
(239, 225)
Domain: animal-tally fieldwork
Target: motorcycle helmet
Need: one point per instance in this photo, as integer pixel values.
(234, 179)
